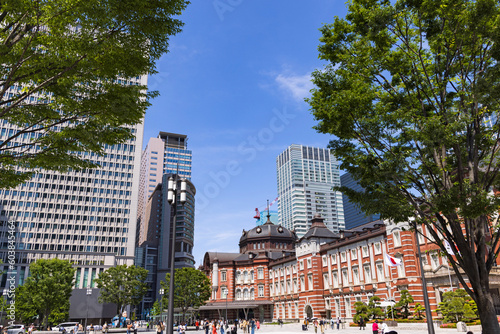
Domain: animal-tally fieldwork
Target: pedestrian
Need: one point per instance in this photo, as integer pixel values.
(384, 328)
(91, 329)
(206, 326)
(375, 327)
(158, 328)
(339, 321)
(75, 329)
(315, 324)
(322, 326)
(332, 322)
(252, 325)
(361, 322)
(105, 328)
(197, 324)
(258, 324)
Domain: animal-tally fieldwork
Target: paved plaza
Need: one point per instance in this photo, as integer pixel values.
(403, 329)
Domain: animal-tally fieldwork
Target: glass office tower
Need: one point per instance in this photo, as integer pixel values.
(306, 176)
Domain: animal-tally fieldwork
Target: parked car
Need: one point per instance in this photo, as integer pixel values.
(69, 327)
(16, 329)
(96, 327)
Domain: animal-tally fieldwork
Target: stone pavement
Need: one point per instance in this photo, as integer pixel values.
(403, 329)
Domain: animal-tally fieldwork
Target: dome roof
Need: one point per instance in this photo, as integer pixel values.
(267, 231)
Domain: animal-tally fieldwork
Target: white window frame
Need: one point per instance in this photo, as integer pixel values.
(343, 257)
(377, 248)
(396, 237)
(364, 251)
(354, 254)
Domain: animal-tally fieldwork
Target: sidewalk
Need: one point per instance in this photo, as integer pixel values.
(403, 329)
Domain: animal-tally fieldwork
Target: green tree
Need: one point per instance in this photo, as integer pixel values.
(156, 309)
(46, 292)
(374, 309)
(456, 306)
(65, 75)
(411, 94)
(419, 310)
(191, 289)
(362, 311)
(122, 285)
(26, 310)
(404, 302)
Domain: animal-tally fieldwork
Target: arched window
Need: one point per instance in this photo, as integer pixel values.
(246, 295)
(251, 275)
(238, 294)
(245, 276)
(252, 296)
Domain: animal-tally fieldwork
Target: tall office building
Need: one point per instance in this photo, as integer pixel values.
(154, 252)
(165, 154)
(353, 216)
(306, 176)
(87, 217)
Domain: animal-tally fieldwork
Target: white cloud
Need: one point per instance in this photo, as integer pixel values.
(298, 86)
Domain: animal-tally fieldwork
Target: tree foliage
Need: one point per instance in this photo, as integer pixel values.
(457, 306)
(46, 292)
(122, 285)
(404, 302)
(411, 95)
(191, 289)
(66, 74)
(362, 311)
(374, 309)
(419, 310)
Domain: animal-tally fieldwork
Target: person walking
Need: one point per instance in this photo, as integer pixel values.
(361, 323)
(252, 325)
(339, 321)
(375, 327)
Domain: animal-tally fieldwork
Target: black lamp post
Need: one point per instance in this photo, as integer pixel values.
(161, 292)
(171, 197)
(226, 292)
(428, 313)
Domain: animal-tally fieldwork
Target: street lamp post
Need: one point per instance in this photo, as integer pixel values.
(171, 197)
(161, 292)
(89, 292)
(4, 293)
(428, 313)
(226, 292)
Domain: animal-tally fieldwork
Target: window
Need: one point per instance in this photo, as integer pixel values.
(302, 283)
(246, 294)
(421, 238)
(295, 285)
(345, 277)
(261, 291)
(309, 263)
(335, 279)
(355, 274)
(325, 260)
(342, 257)
(428, 234)
(380, 271)
(260, 273)
(434, 260)
(397, 239)
(377, 248)
(238, 294)
(368, 276)
(325, 281)
(310, 281)
(223, 276)
(288, 286)
(334, 259)
(301, 265)
(364, 250)
(401, 268)
(354, 254)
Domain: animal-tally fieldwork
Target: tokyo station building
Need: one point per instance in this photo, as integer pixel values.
(323, 274)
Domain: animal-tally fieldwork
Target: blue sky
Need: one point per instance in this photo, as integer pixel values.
(234, 82)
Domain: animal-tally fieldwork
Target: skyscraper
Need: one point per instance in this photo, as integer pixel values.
(87, 217)
(354, 217)
(165, 154)
(306, 176)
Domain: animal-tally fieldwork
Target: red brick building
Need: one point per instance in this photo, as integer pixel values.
(323, 274)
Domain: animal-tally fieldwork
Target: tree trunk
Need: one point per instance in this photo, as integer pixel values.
(487, 313)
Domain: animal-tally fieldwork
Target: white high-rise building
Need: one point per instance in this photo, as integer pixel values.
(87, 217)
(306, 176)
